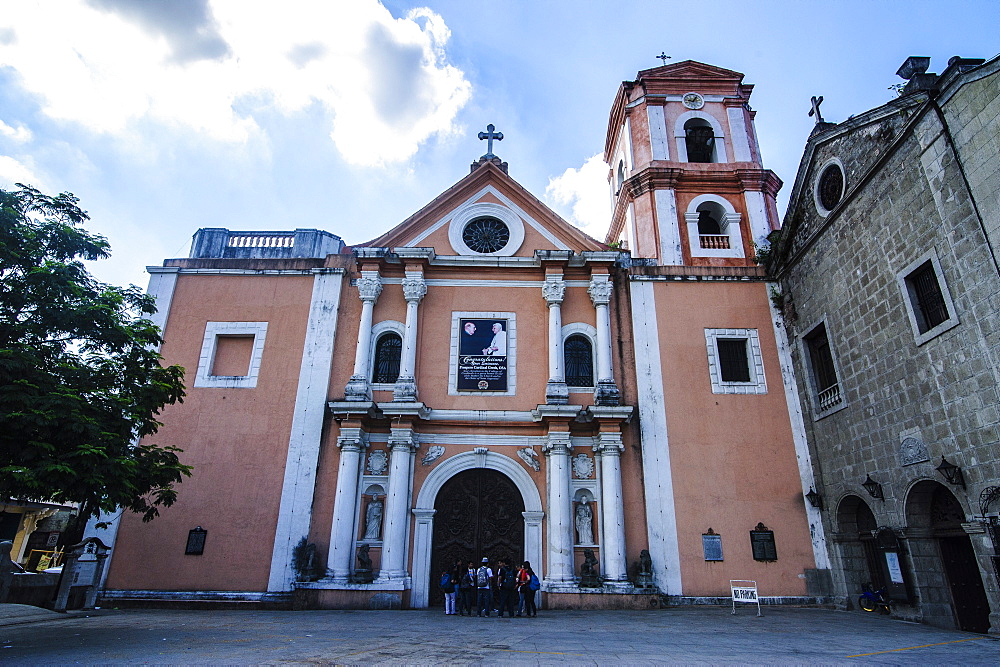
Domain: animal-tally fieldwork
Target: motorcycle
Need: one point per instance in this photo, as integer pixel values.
(870, 600)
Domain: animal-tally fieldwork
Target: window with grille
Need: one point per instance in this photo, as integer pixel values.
(824, 372)
(929, 307)
(925, 294)
(579, 357)
(387, 353)
(733, 363)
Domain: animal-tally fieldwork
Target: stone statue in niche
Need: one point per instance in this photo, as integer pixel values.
(363, 575)
(584, 523)
(644, 575)
(373, 519)
(588, 571)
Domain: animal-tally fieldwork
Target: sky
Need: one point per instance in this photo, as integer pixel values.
(167, 116)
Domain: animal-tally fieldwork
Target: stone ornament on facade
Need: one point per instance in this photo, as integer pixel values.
(369, 288)
(554, 290)
(530, 458)
(693, 101)
(414, 289)
(583, 466)
(378, 462)
(912, 450)
(434, 452)
(600, 291)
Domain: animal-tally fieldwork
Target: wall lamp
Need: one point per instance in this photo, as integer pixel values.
(873, 488)
(814, 499)
(951, 472)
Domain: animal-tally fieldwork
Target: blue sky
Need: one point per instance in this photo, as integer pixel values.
(164, 117)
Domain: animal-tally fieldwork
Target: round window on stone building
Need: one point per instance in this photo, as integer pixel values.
(831, 186)
(486, 235)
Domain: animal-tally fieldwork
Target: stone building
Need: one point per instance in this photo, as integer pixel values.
(486, 380)
(890, 290)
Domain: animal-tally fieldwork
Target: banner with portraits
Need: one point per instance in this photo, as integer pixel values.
(482, 355)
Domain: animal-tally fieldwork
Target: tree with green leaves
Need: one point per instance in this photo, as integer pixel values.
(81, 381)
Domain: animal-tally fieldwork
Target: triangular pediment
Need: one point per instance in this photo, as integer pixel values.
(688, 69)
(487, 192)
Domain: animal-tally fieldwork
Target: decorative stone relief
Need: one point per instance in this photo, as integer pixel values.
(434, 452)
(583, 466)
(530, 458)
(414, 289)
(554, 290)
(912, 450)
(378, 462)
(600, 291)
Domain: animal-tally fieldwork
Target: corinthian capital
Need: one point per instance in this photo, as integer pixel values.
(369, 286)
(600, 290)
(414, 288)
(554, 290)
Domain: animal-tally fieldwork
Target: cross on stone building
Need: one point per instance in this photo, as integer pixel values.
(489, 135)
(816, 101)
(663, 56)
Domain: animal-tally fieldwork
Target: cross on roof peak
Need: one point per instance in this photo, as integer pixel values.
(816, 101)
(489, 135)
(663, 56)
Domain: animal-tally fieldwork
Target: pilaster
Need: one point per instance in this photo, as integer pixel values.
(369, 288)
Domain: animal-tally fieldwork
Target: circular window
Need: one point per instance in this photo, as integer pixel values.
(831, 187)
(486, 235)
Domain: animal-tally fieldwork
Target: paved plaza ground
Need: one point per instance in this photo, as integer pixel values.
(679, 635)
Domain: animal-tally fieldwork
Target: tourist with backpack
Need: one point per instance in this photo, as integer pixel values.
(507, 585)
(467, 589)
(448, 587)
(527, 585)
(484, 575)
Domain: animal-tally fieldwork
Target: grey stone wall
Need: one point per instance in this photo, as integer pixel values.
(906, 197)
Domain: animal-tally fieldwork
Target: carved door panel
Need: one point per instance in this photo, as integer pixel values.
(478, 514)
(972, 608)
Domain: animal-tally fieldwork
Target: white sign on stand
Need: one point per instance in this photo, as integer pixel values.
(744, 591)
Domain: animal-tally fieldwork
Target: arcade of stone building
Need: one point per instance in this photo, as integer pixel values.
(486, 380)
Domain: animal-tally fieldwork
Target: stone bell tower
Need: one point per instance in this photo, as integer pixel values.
(687, 183)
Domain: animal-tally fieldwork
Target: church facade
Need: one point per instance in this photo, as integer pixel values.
(485, 380)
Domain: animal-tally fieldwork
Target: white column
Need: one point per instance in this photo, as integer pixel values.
(553, 290)
(424, 535)
(600, 290)
(613, 512)
(295, 510)
(358, 387)
(414, 289)
(560, 537)
(401, 446)
(344, 532)
(533, 540)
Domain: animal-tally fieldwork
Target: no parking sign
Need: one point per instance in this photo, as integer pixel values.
(744, 590)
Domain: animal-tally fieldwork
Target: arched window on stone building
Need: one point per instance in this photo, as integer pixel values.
(579, 357)
(700, 140)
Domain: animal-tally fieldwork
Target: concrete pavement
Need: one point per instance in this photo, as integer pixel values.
(677, 635)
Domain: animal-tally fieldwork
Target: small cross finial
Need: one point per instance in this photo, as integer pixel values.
(816, 101)
(663, 56)
(489, 135)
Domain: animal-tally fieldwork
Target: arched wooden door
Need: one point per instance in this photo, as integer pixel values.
(478, 513)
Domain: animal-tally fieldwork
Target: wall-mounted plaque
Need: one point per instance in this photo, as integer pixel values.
(762, 543)
(711, 544)
(196, 542)
(482, 355)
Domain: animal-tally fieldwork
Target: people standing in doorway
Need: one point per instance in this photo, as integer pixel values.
(484, 576)
(467, 588)
(527, 584)
(507, 586)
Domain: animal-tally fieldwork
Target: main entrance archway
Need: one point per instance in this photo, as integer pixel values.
(478, 513)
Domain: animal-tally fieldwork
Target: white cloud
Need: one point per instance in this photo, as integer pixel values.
(13, 171)
(20, 134)
(384, 82)
(584, 193)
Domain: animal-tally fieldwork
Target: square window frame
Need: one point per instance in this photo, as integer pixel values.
(755, 361)
(810, 373)
(213, 330)
(903, 280)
